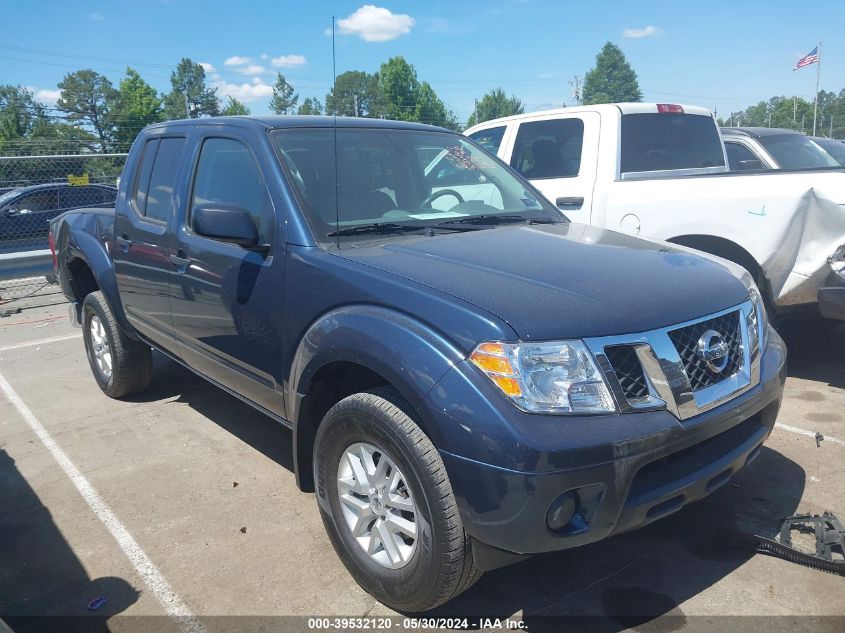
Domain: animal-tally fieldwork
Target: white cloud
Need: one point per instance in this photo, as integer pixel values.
(245, 92)
(376, 24)
(237, 60)
(264, 56)
(208, 67)
(252, 69)
(96, 17)
(288, 61)
(645, 32)
(48, 97)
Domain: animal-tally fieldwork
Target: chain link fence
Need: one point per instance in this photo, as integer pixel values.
(33, 191)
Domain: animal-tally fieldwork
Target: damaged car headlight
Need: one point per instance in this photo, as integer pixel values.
(552, 377)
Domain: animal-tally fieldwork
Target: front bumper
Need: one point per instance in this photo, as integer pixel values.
(624, 470)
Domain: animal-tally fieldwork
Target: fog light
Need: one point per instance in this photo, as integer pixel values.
(562, 511)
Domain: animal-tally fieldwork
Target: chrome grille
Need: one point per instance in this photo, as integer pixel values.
(686, 339)
(629, 371)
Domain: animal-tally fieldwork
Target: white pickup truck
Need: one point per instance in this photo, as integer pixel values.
(659, 170)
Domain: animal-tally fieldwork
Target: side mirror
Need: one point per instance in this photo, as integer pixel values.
(225, 222)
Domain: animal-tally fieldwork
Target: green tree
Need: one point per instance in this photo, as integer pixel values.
(430, 109)
(494, 105)
(284, 98)
(612, 80)
(355, 93)
(89, 97)
(398, 89)
(137, 105)
(190, 98)
(310, 106)
(20, 113)
(234, 107)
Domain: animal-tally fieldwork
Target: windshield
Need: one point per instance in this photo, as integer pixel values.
(796, 151)
(660, 142)
(398, 181)
(834, 148)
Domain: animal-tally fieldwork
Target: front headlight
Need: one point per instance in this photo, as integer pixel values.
(551, 377)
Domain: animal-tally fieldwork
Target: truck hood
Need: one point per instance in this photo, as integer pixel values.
(561, 281)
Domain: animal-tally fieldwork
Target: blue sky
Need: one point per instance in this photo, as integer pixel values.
(723, 55)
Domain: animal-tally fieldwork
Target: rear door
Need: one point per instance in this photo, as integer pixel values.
(559, 156)
(144, 238)
(228, 301)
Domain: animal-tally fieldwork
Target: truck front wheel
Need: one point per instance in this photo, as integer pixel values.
(120, 365)
(387, 504)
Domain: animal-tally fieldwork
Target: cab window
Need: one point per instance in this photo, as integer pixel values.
(549, 149)
(490, 139)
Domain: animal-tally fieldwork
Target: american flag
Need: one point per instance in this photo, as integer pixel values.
(810, 58)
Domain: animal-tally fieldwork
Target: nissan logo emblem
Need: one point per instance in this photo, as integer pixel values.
(713, 350)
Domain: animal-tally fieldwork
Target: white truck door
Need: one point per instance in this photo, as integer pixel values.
(559, 156)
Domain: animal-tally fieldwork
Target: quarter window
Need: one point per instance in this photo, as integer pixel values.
(227, 173)
(740, 158)
(549, 149)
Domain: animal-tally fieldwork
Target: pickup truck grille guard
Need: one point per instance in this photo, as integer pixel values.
(665, 369)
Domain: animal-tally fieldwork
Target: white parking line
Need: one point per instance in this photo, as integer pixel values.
(146, 569)
(43, 341)
(805, 432)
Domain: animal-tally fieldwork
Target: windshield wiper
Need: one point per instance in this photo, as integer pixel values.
(490, 219)
(377, 228)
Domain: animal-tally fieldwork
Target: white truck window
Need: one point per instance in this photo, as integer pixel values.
(549, 149)
(490, 139)
(740, 158)
(662, 142)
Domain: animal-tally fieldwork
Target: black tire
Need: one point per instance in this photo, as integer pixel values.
(441, 565)
(131, 361)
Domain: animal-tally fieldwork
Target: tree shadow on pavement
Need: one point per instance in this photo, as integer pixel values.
(43, 585)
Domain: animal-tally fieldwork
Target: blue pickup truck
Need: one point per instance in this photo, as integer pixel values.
(470, 378)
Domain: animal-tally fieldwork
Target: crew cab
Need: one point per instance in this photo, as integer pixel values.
(660, 171)
(467, 383)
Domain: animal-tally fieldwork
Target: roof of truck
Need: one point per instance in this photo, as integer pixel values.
(757, 132)
(298, 121)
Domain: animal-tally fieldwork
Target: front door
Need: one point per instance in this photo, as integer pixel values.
(144, 242)
(228, 301)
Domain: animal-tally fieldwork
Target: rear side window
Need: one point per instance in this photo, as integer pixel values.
(490, 139)
(659, 142)
(549, 149)
(148, 156)
(160, 193)
(740, 158)
(39, 201)
(227, 173)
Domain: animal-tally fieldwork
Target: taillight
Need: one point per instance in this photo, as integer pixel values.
(670, 108)
(52, 244)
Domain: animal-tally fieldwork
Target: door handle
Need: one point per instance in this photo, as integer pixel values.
(574, 202)
(123, 243)
(181, 263)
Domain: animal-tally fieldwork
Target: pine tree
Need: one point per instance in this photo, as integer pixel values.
(612, 80)
(284, 98)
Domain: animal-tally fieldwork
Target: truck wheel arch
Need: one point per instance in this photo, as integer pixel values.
(353, 349)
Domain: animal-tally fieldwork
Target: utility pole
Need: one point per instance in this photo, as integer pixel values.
(802, 122)
(769, 109)
(576, 89)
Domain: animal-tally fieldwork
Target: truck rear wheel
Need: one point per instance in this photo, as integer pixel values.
(387, 504)
(121, 366)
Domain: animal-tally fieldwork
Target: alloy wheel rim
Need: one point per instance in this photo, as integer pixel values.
(377, 505)
(100, 347)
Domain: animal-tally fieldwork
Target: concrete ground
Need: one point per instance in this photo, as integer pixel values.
(203, 486)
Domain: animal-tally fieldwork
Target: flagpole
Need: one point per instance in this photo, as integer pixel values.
(816, 98)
